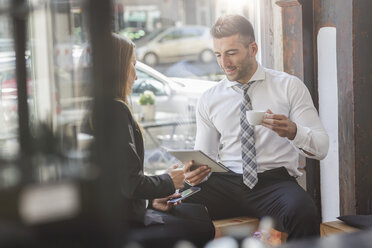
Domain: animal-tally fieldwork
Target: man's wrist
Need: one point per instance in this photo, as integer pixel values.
(292, 131)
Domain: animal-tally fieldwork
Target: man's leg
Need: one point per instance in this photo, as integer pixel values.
(221, 194)
(276, 195)
(292, 209)
(185, 222)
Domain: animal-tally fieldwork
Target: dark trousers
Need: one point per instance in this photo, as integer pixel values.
(186, 221)
(276, 194)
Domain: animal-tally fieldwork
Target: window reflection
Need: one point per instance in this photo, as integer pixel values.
(177, 64)
(9, 145)
(175, 61)
(58, 89)
(146, 82)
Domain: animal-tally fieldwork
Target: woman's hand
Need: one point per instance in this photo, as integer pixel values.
(177, 176)
(163, 205)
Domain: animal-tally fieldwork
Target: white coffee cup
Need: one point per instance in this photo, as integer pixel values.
(255, 117)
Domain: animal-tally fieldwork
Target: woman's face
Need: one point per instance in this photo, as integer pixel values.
(132, 71)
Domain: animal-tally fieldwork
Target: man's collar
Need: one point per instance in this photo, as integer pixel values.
(257, 76)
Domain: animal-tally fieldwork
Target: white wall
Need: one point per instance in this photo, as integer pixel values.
(277, 30)
(328, 112)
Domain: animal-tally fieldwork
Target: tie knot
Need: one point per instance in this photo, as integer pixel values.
(245, 87)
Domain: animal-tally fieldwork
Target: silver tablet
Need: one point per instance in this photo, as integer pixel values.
(199, 157)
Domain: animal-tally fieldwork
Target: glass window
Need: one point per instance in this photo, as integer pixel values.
(59, 63)
(173, 35)
(181, 70)
(6, 45)
(146, 82)
(58, 96)
(192, 32)
(9, 145)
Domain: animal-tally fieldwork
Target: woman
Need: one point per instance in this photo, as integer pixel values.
(163, 223)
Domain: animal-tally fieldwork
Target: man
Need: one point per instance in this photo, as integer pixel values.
(263, 159)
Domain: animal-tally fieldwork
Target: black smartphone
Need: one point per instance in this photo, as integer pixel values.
(185, 194)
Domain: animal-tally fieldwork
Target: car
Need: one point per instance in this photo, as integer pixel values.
(172, 95)
(175, 104)
(177, 43)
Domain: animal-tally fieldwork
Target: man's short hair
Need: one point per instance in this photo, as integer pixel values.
(229, 25)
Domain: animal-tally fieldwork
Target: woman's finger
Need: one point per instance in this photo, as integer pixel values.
(188, 165)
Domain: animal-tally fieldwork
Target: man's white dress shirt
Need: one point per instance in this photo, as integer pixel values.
(218, 123)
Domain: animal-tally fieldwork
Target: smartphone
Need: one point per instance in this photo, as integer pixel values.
(185, 194)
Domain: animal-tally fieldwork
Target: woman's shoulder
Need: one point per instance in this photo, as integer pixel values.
(122, 109)
(121, 105)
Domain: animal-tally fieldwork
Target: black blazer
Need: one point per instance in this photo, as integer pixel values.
(135, 186)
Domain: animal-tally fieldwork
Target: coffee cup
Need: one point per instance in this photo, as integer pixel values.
(255, 117)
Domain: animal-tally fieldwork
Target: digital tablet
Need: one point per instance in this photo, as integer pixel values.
(199, 157)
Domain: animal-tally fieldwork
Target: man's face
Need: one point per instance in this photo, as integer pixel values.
(237, 61)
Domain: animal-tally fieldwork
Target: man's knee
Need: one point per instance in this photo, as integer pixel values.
(302, 221)
(307, 215)
(302, 212)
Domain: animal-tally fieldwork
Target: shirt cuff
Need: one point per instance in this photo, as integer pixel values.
(300, 139)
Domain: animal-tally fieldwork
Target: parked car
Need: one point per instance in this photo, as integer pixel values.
(177, 43)
(175, 104)
(175, 98)
(172, 95)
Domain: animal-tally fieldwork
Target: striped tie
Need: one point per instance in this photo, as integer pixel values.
(247, 141)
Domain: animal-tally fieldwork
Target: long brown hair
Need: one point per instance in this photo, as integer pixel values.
(123, 51)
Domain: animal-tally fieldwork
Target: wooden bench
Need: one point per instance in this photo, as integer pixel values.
(222, 226)
(334, 227)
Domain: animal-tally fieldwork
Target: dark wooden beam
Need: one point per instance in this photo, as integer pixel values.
(352, 20)
(112, 207)
(346, 138)
(362, 81)
(292, 37)
(325, 16)
(19, 15)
